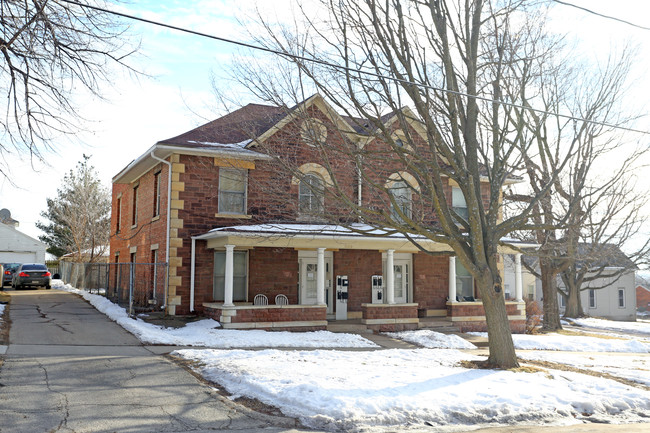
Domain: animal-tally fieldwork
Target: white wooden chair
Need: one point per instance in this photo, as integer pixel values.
(260, 299)
(281, 300)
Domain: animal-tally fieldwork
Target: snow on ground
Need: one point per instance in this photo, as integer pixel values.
(432, 339)
(634, 368)
(2, 311)
(412, 390)
(642, 327)
(573, 343)
(206, 333)
(361, 390)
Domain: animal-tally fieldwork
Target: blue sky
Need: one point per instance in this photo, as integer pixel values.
(177, 95)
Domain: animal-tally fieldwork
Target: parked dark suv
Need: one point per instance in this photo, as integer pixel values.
(31, 274)
(8, 274)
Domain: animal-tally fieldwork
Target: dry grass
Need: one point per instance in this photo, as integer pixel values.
(589, 334)
(564, 367)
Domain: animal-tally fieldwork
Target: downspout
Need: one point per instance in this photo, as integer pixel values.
(192, 266)
(169, 208)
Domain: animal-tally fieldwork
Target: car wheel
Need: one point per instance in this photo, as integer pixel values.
(48, 287)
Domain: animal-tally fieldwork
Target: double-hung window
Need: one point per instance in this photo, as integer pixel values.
(401, 194)
(592, 298)
(156, 194)
(621, 297)
(310, 193)
(458, 202)
(232, 191)
(238, 278)
(134, 217)
(464, 283)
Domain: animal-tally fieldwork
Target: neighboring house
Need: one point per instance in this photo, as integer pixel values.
(236, 229)
(612, 295)
(642, 298)
(613, 298)
(17, 247)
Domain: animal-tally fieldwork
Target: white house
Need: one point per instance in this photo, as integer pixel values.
(16, 246)
(608, 297)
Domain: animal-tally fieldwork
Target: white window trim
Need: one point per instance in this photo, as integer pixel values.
(618, 299)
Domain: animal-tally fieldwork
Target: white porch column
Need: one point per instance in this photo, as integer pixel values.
(390, 277)
(452, 278)
(519, 289)
(320, 276)
(227, 292)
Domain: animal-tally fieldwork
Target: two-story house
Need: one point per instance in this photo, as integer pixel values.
(239, 234)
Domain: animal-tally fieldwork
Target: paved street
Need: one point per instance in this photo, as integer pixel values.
(70, 369)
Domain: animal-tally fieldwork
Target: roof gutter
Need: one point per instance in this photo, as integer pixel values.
(169, 207)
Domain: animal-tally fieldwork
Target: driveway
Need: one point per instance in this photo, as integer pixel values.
(68, 368)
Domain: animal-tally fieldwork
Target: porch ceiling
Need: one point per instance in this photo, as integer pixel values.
(251, 240)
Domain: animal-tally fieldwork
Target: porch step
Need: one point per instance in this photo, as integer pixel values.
(438, 324)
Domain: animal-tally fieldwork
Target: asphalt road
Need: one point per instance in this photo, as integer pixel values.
(68, 368)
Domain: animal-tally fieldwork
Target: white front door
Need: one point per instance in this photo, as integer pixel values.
(308, 283)
(402, 268)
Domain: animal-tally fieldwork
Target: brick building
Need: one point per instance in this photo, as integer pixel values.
(240, 234)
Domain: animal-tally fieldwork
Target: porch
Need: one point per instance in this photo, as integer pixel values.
(329, 272)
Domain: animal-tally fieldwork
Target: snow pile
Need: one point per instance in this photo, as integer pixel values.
(630, 367)
(352, 390)
(2, 312)
(640, 327)
(432, 340)
(572, 343)
(205, 333)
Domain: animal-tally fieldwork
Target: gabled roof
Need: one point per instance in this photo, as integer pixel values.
(603, 255)
(238, 127)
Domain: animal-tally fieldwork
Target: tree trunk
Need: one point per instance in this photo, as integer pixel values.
(502, 349)
(551, 308)
(573, 303)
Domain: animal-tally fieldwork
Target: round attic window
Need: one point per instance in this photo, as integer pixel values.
(313, 131)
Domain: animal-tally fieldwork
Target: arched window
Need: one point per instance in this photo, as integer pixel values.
(310, 191)
(401, 193)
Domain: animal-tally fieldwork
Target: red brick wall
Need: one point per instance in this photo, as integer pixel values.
(642, 298)
(359, 266)
(430, 281)
(371, 311)
(149, 229)
(273, 271)
(275, 314)
(476, 309)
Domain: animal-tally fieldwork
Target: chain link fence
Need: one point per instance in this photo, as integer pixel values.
(138, 287)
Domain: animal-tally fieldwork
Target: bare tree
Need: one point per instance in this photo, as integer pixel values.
(79, 218)
(451, 63)
(51, 49)
(566, 213)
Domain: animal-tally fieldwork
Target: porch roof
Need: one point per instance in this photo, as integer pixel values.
(310, 236)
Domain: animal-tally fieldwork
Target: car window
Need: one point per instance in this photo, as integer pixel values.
(11, 266)
(34, 267)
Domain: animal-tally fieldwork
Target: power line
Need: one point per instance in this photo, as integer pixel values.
(349, 69)
(609, 17)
